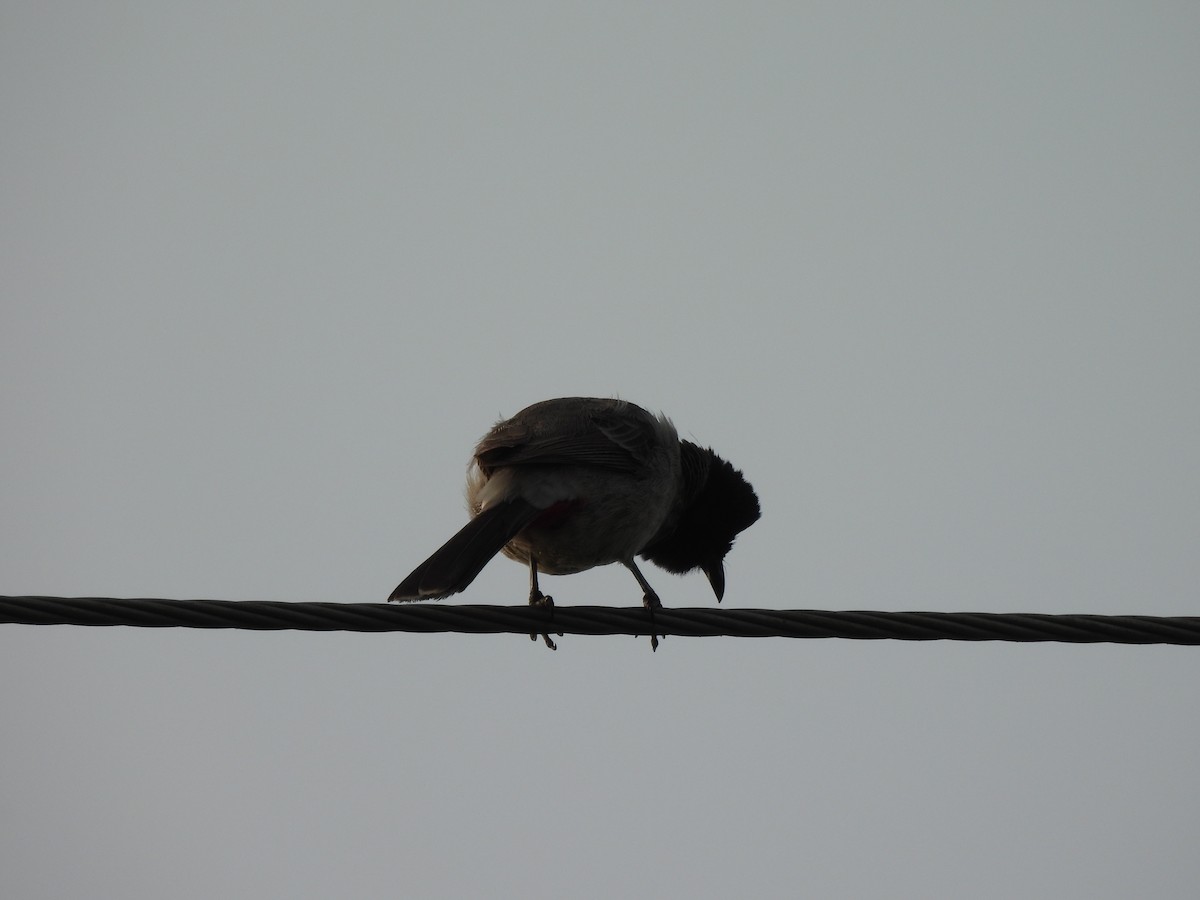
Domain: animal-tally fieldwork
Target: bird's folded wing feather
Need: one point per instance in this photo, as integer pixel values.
(607, 437)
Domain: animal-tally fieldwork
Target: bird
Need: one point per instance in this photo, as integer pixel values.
(577, 482)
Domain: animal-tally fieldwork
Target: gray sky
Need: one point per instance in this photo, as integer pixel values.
(928, 273)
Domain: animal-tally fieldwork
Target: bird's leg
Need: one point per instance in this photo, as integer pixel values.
(649, 600)
(538, 599)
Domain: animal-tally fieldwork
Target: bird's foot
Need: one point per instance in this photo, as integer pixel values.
(541, 601)
(651, 602)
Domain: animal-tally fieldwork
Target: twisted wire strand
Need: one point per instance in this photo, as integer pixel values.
(427, 618)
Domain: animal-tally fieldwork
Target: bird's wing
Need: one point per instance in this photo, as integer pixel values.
(575, 431)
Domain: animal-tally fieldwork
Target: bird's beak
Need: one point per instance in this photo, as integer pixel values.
(716, 577)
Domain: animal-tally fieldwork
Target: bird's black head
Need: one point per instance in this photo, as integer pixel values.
(717, 504)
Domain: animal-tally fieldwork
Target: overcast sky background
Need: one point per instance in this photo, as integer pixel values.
(928, 273)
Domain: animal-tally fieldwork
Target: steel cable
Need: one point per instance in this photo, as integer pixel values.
(597, 620)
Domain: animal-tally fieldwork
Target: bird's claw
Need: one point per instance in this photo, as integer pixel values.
(651, 602)
(542, 601)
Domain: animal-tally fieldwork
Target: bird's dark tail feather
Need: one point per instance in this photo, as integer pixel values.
(460, 559)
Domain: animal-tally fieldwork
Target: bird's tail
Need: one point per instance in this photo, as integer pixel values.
(454, 566)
